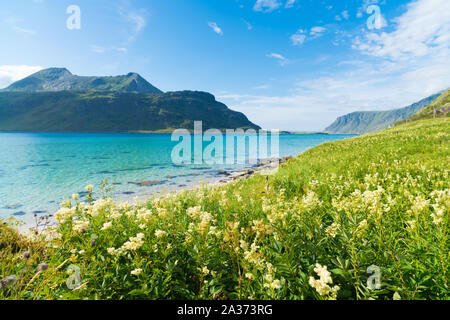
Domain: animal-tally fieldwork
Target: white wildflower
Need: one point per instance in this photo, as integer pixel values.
(205, 270)
(80, 225)
(136, 272)
(332, 230)
(107, 225)
(160, 233)
(322, 285)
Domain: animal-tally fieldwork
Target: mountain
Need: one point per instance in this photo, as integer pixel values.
(369, 121)
(439, 108)
(92, 111)
(58, 79)
(54, 100)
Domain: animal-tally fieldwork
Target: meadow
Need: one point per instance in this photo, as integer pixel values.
(319, 228)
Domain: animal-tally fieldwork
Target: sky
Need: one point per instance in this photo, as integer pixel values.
(286, 64)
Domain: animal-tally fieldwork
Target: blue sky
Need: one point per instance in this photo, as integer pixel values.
(286, 64)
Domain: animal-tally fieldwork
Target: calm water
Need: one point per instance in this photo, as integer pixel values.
(38, 171)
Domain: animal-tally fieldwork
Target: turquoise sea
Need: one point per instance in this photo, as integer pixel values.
(40, 170)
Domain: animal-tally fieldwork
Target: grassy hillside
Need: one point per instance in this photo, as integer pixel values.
(308, 232)
(99, 111)
(439, 108)
(370, 121)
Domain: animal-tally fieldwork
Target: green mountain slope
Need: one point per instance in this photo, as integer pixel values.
(91, 111)
(370, 121)
(439, 108)
(58, 79)
(55, 100)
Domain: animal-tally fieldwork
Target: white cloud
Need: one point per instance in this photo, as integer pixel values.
(215, 28)
(23, 30)
(301, 35)
(270, 5)
(249, 26)
(345, 14)
(136, 18)
(12, 73)
(317, 31)
(16, 24)
(394, 69)
(266, 5)
(290, 3)
(298, 38)
(97, 49)
(293, 112)
(281, 59)
(100, 49)
(363, 86)
(424, 30)
(262, 87)
(315, 104)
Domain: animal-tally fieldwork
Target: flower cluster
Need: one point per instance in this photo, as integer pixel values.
(133, 244)
(322, 285)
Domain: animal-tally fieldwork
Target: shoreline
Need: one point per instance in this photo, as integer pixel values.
(265, 166)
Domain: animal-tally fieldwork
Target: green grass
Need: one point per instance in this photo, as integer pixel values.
(439, 108)
(380, 199)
